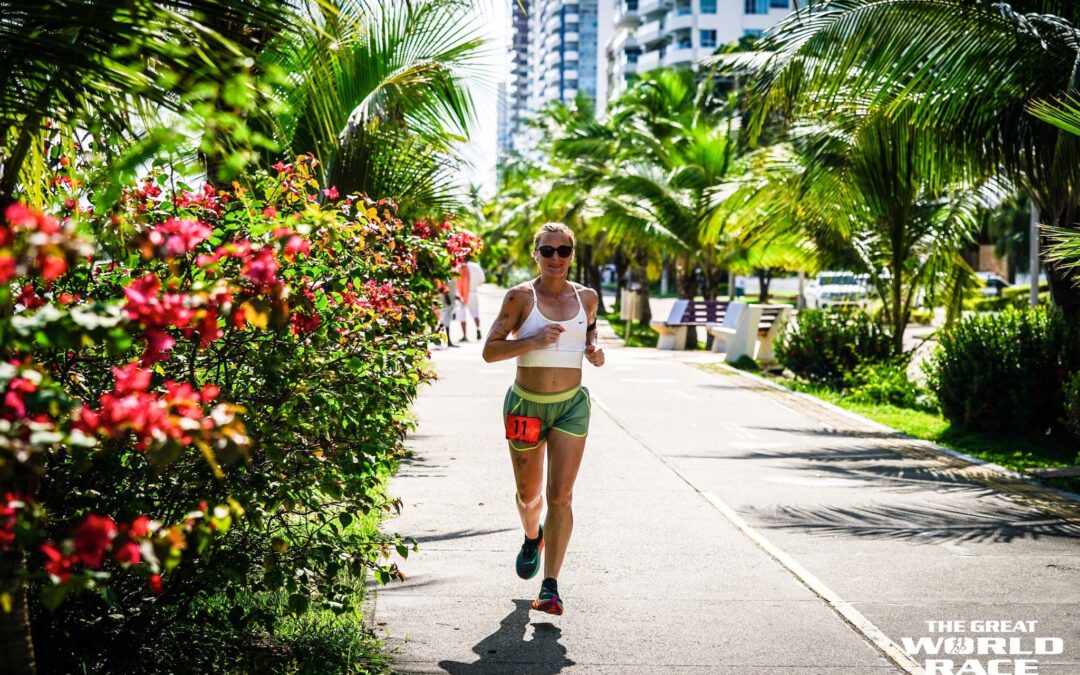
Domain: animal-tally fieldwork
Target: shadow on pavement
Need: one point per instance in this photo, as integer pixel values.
(507, 651)
(932, 525)
(460, 534)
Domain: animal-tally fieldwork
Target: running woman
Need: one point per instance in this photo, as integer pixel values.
(548, 324)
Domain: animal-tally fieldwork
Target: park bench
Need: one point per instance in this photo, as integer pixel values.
(749, 330)
(674, 331)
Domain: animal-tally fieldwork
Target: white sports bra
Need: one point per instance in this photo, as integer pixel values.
(567, 351)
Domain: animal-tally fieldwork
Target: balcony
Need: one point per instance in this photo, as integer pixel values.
(648, 61)
(677, 21)
(650, 33)
(647, 8)
(679, 57)
(625, 17)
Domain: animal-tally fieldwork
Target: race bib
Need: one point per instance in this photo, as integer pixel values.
(523, 429)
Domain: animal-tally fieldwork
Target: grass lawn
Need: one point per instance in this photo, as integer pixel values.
(1019, 453)
(641, 335)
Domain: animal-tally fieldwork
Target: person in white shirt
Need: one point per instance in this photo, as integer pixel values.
(475, 276)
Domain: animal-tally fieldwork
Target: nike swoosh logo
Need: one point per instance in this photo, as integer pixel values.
(580, 322)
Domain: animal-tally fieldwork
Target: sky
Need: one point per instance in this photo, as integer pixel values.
(492, 20)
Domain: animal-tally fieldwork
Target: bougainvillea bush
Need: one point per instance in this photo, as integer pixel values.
(200, 392)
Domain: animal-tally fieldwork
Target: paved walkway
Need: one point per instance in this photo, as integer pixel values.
(721, 527)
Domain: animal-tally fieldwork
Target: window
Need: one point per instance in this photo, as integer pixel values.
(631, 5)
(753, 32)
(683, 7)
(708, 6)
(708, 38)
(780, 4)
(757, 6)
(684, 41)
(632, 55)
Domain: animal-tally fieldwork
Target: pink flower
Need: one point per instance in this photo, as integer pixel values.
(131, 378)
(270, 211)
(177, 237)
(279, 167)
(331, 192)
(261, 267)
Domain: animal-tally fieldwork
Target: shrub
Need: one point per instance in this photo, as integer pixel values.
(1006, 371)
(823, 345)
(1071, 404)
(886, 384)
(202, 390)
(922, 317)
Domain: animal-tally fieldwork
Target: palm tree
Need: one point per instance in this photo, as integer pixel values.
(875, 193)
(87, 63)
(378, 92)
(965, 71)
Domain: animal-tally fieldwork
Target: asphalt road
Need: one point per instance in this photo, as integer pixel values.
(721, 527)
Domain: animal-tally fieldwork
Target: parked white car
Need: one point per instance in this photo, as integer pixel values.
(835, 289)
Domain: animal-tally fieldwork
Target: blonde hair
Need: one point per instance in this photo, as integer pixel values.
(553, 227)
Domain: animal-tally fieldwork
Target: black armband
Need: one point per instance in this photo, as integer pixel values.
(592, 326)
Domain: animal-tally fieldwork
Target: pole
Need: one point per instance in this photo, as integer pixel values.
(800, 302)
(1033, 254)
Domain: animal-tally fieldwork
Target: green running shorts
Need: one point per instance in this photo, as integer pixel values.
(529, 415)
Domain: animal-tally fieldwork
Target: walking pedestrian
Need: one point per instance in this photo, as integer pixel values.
(549, 325)
(473, 274)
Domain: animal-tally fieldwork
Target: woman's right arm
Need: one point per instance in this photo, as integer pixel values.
(497, 347)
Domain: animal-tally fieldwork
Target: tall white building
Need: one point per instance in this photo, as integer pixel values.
(676, 33)
(553, 56)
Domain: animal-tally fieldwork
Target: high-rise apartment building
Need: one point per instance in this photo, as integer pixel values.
(518, 88)
(553, 56)
(675, 33)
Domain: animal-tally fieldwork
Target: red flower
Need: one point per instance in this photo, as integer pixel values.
(8, 516)
(303, 323)
(209, 393)
(20, 215)
(29, 299)
(331, 192)
(128, 553)
(279, 167)
(92, 538)
(51, 266)
(155, 583)
(57, 565)
(7, 265)
(270, 211)
(140, 527)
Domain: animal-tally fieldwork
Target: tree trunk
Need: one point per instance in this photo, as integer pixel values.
(764, 277)
(16, 644)
(646, 311)
(620, 278)
(592, 276)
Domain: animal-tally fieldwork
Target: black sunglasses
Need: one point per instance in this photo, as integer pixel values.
(564, 251)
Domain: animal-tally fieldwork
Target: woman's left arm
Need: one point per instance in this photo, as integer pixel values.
(593, 353)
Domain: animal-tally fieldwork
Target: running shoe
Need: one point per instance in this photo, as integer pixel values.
(548, 600)
(478, 334)
(528, 558)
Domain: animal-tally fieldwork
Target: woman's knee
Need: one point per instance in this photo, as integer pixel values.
(558, 497)
(528, 497)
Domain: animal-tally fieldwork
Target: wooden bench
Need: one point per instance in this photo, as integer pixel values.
(675, 330)
(749, 330)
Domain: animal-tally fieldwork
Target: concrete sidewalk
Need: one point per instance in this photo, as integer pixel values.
(720, 528)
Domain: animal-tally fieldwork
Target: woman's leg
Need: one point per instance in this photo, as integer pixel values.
(529, 478)
(564, 459)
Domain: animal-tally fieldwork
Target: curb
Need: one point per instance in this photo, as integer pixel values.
(990, 466)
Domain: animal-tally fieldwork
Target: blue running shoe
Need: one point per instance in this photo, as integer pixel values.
(528, 558)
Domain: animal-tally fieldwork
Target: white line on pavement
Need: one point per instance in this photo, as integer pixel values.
(851, 616)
